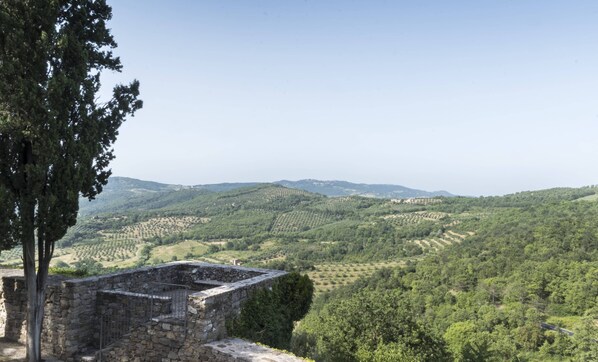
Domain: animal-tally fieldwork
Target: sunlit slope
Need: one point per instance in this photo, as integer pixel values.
(269, 223)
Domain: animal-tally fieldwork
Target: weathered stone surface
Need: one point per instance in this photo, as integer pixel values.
(158, 325)
(239, 350)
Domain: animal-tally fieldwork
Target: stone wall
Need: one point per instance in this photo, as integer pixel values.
(153, 341)
(13, 310)
(207, 312)
(216, 273)
(120, 311)
(74, 309)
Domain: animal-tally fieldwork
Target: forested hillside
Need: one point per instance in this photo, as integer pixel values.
(127, 193)
(532, 261)
(427, 279)
(344, 188)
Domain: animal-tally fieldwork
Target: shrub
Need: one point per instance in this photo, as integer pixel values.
(268, 315)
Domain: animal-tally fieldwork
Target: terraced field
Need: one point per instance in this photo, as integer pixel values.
(254, 224)
(114, 247)
(299, 221)
(107, 250)
(438, 243)
(12, 254)
(123, 245)
(280, 192)
(415, 217)
(160, 226)
(258, 196)
(338, 204)
(418, 201)
(329, 276)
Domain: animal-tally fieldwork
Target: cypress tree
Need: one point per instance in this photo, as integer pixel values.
(56, 137)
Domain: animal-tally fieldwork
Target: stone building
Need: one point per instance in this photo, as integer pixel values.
(172, 312)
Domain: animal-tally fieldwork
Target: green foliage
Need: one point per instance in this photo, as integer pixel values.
(368, 325)
(289, 264)
(466, 342)
(517, 200)
(268, 315)
(390, 352)
(532, 257)
(56, 137)
(238, 224)
(486, 297)
(213, 249)
(89, 267)
(51, 115)
(79, 269)
(585, 340)
(71, 272)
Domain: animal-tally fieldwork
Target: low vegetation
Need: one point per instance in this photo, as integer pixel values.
(268, 316)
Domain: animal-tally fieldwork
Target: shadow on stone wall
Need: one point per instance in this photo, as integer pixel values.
(15, 305)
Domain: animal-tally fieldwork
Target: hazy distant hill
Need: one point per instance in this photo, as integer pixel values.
(344, 188)
(227, 186)
(336, 188)
(126, 193)
(123, 190)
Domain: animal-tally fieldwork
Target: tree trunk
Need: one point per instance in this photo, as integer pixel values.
(35, 281)
(35, 278)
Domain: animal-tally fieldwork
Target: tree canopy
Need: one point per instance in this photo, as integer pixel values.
(56, 136)
(483, 300)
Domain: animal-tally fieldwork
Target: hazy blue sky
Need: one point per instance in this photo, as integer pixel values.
(474, 97)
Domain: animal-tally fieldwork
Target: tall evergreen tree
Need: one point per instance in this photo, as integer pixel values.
(55, 135)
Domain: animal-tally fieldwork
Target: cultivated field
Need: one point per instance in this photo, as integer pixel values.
(329, 276)
(448, 238)
(160, 226)
(299, 221)
(418, 201)
(415, 217)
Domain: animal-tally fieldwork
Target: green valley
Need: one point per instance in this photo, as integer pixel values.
(442, 278)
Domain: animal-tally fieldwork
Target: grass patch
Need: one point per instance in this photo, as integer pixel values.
(332, 275)
(567, 322)
(180, 251)
(588, 198)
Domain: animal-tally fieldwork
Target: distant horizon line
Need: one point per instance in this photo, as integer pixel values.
(271, 182)
(356, 183)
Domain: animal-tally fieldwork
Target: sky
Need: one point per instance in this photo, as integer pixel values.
(481, 97)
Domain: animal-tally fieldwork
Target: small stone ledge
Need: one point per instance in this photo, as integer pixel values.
(167, 318)
(210, 282)
(236, 349)
(227, 287)
(131, 294)
(11, 272)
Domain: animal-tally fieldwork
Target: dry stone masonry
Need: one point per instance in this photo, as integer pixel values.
(171, 312)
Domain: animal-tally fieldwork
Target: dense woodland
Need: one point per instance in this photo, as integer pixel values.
(471, 279)
(482, 300)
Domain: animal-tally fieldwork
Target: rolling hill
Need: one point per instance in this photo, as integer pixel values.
(489, 268)
(123, 192)
(344, 188)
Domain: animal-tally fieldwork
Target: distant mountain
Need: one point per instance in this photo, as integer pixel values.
(225, 186)
(344, 188)
(122, 193)
(122, 190)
